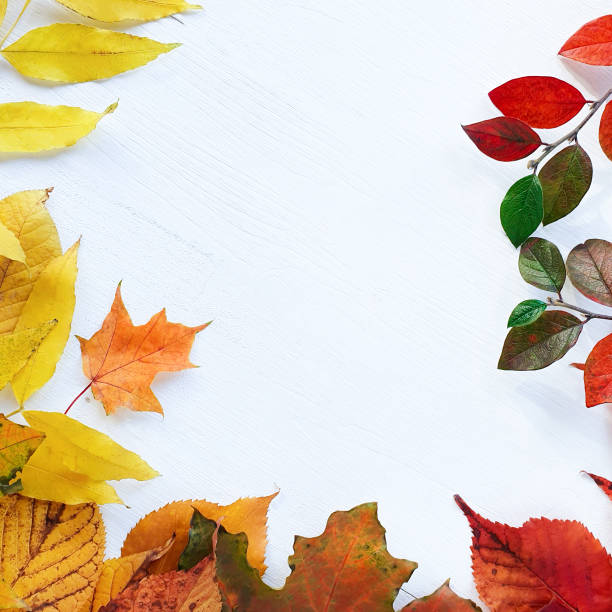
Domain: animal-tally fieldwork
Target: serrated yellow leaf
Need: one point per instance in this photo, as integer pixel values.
(121, 10)
(10, 246)
(51, 298)
(26, 216)
(27, 127)
(17, 347)
(73, 53)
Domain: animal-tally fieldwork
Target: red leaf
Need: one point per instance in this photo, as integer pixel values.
(603, 483)
(541, 102)
(552, 565)
(503, 138)
(605, 130)
(592, 43)
(598, 373)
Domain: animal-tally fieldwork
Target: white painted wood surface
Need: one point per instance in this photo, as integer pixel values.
(296, 172)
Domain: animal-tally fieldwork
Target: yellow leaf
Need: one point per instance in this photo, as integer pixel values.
(3, 4)
(17, 347)
(10, 246)
(74, 460)
(72, 53)
(51, 554)
(8, 599)
(26, 216)
(28, 127)
(121, 10)
(52, 298)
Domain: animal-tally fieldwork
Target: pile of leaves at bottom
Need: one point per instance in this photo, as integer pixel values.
(194, 556)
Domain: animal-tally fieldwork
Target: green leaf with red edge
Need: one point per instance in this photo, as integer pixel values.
(603, 483)
(605, 130)
(565, 180)
(598, 373)
(522, 209)
(537, 345)
(503, 138)
(542, 565)
(541, 265)
(589, 266)
(539, 101)
(442, 600)
(592, 43)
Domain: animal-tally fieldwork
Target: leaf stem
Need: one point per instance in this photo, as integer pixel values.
(77, 397)
(570, 136)
(587, 313)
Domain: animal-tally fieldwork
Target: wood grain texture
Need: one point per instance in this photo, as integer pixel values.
(296, 172)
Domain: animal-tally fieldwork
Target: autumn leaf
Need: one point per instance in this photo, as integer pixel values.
(133, 10)
(541, 265)
(592, 43)
(10, 246)
(248, 515)
(28, 127)
(52, 297)
(122, 359)
(503, 138)
(3, 5)
(603, 483)
(565, 180)
(17, 443)
(73, 53)
(521, 210)
(442, 600)
(537, 345)
(26, 216)
(74, 461)
(605, 130)
(51, 554)
(598, 373)
(541, 563)
(589, 266)
(539, 101)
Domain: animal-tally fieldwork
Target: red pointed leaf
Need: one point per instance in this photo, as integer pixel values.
(603, 483)
(541, 102)
(605, 130)
(551, 565)
(592, 43)
(503, 138)
(598, 373)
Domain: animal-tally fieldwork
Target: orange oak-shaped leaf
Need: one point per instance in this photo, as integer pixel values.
(248, 515)
(598, 373)
(442, 600)
(122, 359)
(603, 483)
(544, 564)
(193, 591)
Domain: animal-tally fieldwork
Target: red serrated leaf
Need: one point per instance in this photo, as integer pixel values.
(605, 130)
(503, 138)
(592, 43)
(539, 101)
(551, 565)
(603, 483)
(598, 373)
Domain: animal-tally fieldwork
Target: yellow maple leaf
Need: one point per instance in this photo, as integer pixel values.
(121, 10)
(28, 127)
(73, 53)
(52, 297)
(74, 461)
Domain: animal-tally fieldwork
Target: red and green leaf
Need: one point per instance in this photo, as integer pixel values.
(541, 265)
(592, 43)
(589, 266)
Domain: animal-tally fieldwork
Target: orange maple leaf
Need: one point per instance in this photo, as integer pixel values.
(122, 359)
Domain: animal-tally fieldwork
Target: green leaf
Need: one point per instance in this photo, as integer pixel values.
(199, 545)
(565, 180)
(522, 210)
(541, 265)
(537, 345)
(589, 266)
(526, 312)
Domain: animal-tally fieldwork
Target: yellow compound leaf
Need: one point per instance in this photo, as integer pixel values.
(248, 515)
(26, 216)
(28, 127)
(52, 297)
(73, 53)
(50, 554)
(121, 10)
(10, 246)
(73, 462)
(17, 347)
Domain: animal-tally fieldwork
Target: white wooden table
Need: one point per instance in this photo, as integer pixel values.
(296, 172)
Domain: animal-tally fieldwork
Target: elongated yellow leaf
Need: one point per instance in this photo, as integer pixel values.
(72, 53)
(28, 127)
(26, 216)
(17, 347)
(52, 298)
(121, 10)
(3, 4)
(10, 246)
